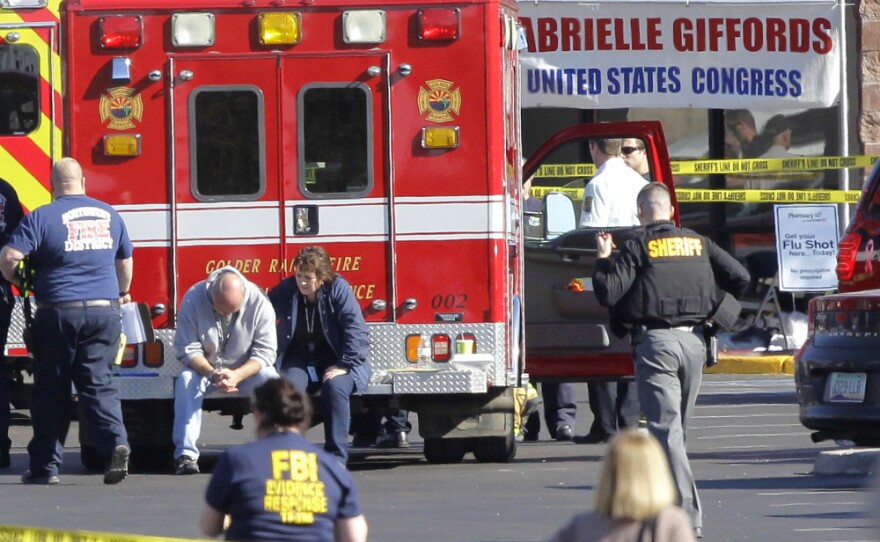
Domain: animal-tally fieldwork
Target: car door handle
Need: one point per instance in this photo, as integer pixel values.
(569, 258)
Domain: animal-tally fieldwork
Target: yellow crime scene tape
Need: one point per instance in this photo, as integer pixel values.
(15, 533)
(720, 195)
(746, 167)
(750, 166)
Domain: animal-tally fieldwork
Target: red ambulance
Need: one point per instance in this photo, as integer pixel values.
(237, 133)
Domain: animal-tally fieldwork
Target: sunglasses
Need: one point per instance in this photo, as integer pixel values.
(630, 150)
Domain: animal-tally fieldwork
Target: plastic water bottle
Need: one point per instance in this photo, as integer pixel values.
(424, 353)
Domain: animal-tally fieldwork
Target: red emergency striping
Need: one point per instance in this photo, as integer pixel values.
(38, 15)
(45, 106)
(29, 155)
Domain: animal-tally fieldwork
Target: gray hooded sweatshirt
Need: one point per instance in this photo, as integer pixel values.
(250, 333)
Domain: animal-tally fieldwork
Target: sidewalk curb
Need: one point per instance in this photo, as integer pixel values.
(748, 363)
(850, 461)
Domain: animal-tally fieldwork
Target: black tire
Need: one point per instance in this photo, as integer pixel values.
(90, 459)
(448, 450)
(495, 449)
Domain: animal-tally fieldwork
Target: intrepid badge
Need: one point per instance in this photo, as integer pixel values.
(438, 101)
(120, 105)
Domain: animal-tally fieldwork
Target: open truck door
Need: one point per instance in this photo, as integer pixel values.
(568, 336)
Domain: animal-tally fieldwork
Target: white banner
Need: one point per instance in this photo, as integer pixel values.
(772, 55)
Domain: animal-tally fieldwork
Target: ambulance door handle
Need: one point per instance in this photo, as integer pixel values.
(378, 305)
(186, 75)
(410, 303)
(374, 71)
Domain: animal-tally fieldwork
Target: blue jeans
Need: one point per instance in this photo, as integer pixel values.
(190, 390)
(335, 406)
(76, 345)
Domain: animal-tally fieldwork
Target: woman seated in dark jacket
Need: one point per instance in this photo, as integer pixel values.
(323, 341)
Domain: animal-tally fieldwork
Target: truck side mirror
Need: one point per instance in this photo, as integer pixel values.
(559, 215)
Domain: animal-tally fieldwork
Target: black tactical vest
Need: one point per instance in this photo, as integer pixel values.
(675, 285)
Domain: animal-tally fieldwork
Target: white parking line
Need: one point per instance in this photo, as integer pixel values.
(751, 426)
(822, 504)
(740, 435)
(823, 529)
(728, 406)
(801, 493)
(727, 448)
(735, 416)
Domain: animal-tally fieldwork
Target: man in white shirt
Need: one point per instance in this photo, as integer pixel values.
(610, 197)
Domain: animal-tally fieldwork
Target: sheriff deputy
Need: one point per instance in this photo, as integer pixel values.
(662, 288)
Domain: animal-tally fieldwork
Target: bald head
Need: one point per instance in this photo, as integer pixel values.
(654, 203)
(67, 178)
(227, 293)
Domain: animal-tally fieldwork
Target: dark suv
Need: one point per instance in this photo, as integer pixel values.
(837, 371)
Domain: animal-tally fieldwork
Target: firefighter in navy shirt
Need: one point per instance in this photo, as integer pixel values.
(10, 215)
(663, 287)
(81, 255)
(281, 487)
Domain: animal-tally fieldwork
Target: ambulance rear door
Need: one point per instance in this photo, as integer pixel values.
(226, 209)
(335, 168)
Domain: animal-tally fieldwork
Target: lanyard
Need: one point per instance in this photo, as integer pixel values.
(224, 324)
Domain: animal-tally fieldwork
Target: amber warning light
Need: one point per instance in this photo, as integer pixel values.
(120, 31)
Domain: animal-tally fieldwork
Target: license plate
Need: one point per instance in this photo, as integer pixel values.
(846, 387)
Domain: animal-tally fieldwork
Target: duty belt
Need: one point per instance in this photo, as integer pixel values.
(686, 329)
(113, 303)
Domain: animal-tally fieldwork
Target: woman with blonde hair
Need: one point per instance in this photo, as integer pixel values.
(635, 500)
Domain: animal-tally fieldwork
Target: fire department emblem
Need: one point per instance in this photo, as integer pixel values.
(439, 101)
(120, 105)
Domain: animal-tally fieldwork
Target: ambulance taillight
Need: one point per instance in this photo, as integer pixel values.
(440, 137)
(363, 26)
(440, 344)
(122, 145)
(441, 347)
(439, 24)
(192, 29)
(280, 28)
(121, 31)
